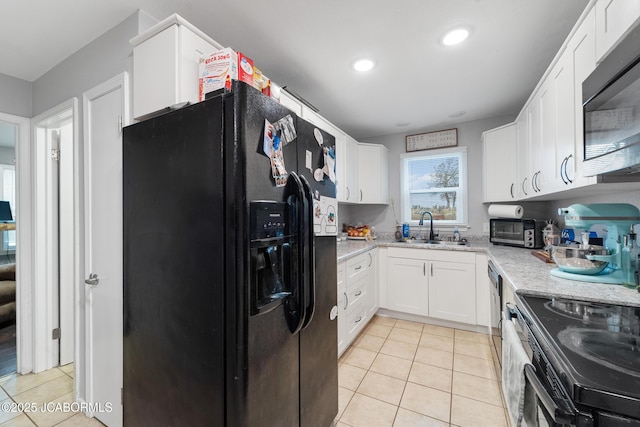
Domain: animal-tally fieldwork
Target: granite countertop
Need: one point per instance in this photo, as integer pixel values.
(527, 274)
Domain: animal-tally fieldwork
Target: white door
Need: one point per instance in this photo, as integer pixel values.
(105, 110)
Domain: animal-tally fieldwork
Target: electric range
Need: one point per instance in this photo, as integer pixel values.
(590, 354)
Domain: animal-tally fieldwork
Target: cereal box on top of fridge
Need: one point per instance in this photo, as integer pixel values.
(214, 69)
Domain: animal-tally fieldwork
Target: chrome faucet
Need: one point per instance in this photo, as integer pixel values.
(431, 236)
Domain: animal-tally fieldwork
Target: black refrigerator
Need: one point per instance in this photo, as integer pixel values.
(229, 267)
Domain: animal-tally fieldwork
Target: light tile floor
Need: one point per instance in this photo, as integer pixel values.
(397, 373)
(401, 373)
(53, 386)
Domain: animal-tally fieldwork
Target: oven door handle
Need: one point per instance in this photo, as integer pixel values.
(557, 414)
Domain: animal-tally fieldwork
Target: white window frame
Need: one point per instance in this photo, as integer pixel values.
(405, 207)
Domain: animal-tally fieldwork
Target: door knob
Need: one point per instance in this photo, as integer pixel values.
(93, 279)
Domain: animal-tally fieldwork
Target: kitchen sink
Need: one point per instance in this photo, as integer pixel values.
(435, 242)
(446, 242)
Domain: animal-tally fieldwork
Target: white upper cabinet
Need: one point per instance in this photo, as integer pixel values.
(614, 18)
(165, 64)
(349, 178)
(535, 146)
(373, 174)
(500, 169)
(523, 187)
(291, 103)
(549, 129)
(582, 50)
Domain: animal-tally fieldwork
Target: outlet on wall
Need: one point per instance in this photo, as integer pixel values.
(485, 227)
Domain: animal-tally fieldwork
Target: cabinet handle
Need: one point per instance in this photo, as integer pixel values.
(565, 169)
(431, 269)
(358, 319)
(424, 269)
(511, 190)
(370, 259)
(358, 293)
(360, 195)
(358, 268)
(348, 193)
(524, 181)
(346, 300)
(563, 166)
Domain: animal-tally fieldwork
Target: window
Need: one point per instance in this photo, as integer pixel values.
(436, 183)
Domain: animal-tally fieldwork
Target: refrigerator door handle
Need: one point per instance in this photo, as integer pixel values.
(310, 279)
(295, 306)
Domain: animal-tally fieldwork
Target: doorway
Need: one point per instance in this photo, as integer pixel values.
(54, 136)
(9, 131)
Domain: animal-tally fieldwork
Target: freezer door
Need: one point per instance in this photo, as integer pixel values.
(174, 279)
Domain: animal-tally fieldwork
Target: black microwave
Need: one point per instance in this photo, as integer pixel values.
(523, 233)
(611, 112)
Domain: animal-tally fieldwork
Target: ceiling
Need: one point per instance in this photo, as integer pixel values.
(310, 45)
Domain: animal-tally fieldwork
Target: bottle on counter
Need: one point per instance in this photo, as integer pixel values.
(630, 258)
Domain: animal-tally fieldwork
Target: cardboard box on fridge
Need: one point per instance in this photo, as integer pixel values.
(215, 69)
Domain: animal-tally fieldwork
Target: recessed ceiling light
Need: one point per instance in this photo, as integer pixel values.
(455, 37)
(457, 114)
(402, 124)
(363, 65)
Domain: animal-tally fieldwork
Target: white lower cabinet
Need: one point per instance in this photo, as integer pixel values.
(433, 283)
(357, 296)
(407, 285)
(452, 291)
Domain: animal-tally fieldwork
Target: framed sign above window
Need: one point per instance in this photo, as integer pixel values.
(430, 140)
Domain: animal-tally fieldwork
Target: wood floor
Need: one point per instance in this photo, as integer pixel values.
(7, 348)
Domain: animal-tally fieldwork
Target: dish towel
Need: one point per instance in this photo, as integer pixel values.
(518, 393)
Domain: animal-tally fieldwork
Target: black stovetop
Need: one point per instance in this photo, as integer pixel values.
(595, 350)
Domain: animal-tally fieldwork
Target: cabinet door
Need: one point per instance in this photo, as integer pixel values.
(342, 308)
(613, 19)
(452, 291)
(373, 174)
(372, 292)
(535, 145)
(545, 155)
(562, 75)
(524, 189)
(350, 175)
(500, 169)
(582, 49)
(407, 286)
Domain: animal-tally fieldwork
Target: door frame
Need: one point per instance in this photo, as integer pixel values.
(83, 366)
(42, 302)
(24, 244)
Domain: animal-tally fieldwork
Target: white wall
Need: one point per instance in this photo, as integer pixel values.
(470, 136)
(15, 96)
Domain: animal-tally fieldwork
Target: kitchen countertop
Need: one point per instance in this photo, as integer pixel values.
(527, 274)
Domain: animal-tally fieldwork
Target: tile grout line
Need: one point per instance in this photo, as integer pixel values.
(413, 361)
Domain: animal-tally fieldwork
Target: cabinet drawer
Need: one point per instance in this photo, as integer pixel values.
(357, 292)
(358, 266)
(342, 278)
(356, 319)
